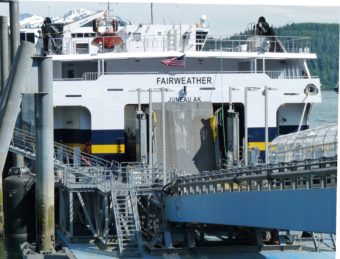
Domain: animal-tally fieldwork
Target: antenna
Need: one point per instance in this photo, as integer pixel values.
(107, 15)
(151, 6)
(49, 9)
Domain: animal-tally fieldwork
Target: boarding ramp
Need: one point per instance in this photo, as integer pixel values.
(297, 191)
(293, 196)
(316, 143)
(189, 138)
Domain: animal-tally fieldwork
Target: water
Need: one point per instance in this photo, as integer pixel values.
(10, 249)
(325, 112)
(321, 113)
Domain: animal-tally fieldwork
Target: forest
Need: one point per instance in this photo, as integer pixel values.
(325, 43)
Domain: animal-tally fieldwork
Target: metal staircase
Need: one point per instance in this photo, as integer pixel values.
(124, 205)
(70, 160)
(84, 171)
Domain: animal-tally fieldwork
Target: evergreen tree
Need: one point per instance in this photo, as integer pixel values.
(324, 40)
(325, 43)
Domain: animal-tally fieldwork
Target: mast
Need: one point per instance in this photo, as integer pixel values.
(108, 14)
(107, 17)
(151, 6)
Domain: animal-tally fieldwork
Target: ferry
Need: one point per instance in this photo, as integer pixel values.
(99, 72)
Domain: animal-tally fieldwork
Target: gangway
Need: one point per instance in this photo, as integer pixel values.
(292, 196)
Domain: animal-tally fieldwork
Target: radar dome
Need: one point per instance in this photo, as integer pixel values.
(203, 18)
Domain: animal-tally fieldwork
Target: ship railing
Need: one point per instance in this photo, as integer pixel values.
(143, 177)
(319, 173)
(90, 175)
(156, 43)
(87, 178)
(281, 74)
(68, 79)
(277, 74)
(70, 160)
(245, 43)
(104, 44)
(90, 76)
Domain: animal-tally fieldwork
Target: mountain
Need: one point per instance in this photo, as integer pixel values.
(72, 15)
(28, 20)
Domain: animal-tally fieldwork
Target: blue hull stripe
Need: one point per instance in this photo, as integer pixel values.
(108, 137)
(72, 135)
(258, 134)
(99, 137)
(102, 137)
(289, 129)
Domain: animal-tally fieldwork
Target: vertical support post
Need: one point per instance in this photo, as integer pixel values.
(246, 89)
(230, 100)
(4, 49)
(71, 214)
(245, 149)
(98, 68)
(15, 41)
(44, 157)
(14, 27)
(103, 66)
(255, 65)
(266, 111)
(263, 65)
(141, 136)
(163, 137)
(139, 107)
(232, 131)
(266, 123)
(150, 129)
(106, 217)
(10, 107)
(61, 209)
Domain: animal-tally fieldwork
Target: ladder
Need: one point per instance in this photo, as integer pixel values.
(124, 205)
(172, 40)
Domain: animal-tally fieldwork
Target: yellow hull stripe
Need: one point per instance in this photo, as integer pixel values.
(108, 149)
(72, 145)
(100, 149)
(260, 145)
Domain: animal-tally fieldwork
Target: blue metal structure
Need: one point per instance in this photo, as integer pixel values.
(306, 210)
(299, 195)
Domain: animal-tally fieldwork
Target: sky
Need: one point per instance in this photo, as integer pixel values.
(222, 19)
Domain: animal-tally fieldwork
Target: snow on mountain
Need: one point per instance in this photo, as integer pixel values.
(72, 15)
(28, 20)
